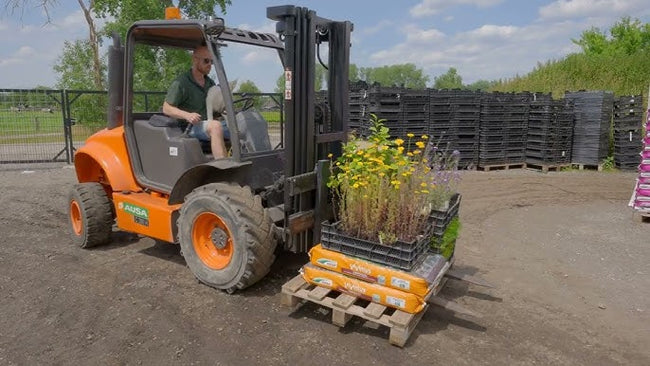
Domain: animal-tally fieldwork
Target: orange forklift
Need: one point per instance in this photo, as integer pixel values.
(230, 216)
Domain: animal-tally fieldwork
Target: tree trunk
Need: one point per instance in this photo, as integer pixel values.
(94, 43)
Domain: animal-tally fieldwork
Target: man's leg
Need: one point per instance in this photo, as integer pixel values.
(216, 139)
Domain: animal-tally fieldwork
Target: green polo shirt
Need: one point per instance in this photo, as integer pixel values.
(186, 94)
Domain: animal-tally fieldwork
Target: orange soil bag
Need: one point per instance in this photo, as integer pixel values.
(417, 282)
(387, 296)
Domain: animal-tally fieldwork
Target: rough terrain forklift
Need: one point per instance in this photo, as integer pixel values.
(144, 174)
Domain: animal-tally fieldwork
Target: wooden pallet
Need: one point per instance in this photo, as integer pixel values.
(598, 167)
(345, 306)
(545, 168)
(487, 168)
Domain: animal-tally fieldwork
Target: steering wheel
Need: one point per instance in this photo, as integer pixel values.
(248, 102)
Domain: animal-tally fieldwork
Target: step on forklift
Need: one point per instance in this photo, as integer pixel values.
(230, 216)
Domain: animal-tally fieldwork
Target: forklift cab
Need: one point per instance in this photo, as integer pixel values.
(160, 151)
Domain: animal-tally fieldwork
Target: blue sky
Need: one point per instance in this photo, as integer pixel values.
(483, 39)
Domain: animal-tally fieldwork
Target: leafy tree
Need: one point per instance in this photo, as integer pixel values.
(484, 85)
(250, 87)
(354, 73)
(405, 75)
(121, 14)
(448, 80)
(72, 66)
(626, 36)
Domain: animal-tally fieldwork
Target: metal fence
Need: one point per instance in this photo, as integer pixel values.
(46, 125)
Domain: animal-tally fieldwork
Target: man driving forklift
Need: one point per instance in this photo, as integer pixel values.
(186, 101)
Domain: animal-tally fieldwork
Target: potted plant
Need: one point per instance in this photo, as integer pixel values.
(385, 191)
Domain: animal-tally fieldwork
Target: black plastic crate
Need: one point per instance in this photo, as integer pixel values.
(399, 255)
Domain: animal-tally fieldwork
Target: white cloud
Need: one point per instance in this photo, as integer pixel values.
(494, 31)
(25, 51)
(416, 35)
(486, 52)
(376, 28)
(432, 7)
(592, 8)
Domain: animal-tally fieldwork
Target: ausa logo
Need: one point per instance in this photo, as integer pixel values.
(134, 210)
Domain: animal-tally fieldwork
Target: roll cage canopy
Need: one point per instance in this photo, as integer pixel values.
(192, 33)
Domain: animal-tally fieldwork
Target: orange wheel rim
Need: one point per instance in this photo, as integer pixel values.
(212, 240)
(75, 218)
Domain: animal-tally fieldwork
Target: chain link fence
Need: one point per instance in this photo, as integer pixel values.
(47, 125)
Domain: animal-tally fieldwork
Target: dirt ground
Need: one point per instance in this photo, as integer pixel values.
(570, 260)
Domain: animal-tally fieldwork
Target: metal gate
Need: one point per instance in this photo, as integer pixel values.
(47, 125)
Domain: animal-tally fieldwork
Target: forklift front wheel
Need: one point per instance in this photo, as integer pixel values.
(225, 236)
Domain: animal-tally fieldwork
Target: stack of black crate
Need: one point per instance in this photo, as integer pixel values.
(562, 124)
(441, 119)
(539, 136)
(628, 122)
(466, 118)
(593, 116)
(359, 108)
(550, 129)
(405, 111)
(517, 127)
(503, 129)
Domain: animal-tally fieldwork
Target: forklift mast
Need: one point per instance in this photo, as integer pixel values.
(311, 136)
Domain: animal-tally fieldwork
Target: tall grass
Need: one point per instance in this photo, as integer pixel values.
(621, 73)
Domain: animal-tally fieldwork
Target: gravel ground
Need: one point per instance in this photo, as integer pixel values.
(570, 260)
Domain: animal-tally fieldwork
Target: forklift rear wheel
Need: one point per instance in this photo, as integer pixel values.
(91, 214)
(225, 236)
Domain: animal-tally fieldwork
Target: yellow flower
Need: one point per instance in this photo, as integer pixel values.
(424, 137)
(410, 135)
(400, 149)
(424, 191)
(409, 154)
(355, 185)
(360, 152)
(417, 152)
(423, 184)
(381, 174)
(399, 142)
(330, 155)
(365, 196)
(419, 144)
(394, 182)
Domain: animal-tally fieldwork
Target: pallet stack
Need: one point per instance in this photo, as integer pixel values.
(628, 115)
(593, 115)
(404, 111)
(503, 130)
(550, 130)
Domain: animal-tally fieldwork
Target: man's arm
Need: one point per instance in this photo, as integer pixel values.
(178, 113)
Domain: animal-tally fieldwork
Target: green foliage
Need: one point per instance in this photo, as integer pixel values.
(73, 66)
(626, 36)
(448, 80)
(618, 61)
(608, 164)
(385, 190)
(354, 73)
(404, 75)
(250, 87)
(484, 85)
(446, 245)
